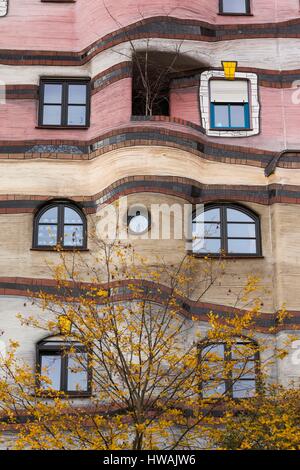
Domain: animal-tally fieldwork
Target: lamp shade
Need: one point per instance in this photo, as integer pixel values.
(229, 69)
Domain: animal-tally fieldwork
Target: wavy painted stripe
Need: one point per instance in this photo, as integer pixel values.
(123, 290)
(157, 27)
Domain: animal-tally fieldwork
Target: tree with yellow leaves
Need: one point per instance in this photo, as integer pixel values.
(143, 373)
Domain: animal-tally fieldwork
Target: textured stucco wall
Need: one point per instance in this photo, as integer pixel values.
(75, 26)
(283, 371)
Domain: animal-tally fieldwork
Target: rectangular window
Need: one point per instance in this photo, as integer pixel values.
(64, 103)
(235, 7)
(64, 370)
(229, 108)
(151, 76)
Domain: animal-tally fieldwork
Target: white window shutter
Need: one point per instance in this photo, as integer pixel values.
(3, 7)
(224, 91)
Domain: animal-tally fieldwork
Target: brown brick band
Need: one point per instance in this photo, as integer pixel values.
(142, 136)
(190, 190)
(121, 291)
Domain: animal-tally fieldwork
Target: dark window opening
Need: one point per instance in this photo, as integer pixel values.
(150, 85)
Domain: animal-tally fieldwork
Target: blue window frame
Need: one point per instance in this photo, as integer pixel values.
(229, 115)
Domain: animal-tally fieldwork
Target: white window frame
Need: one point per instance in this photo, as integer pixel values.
(254, 106)
(3, 7)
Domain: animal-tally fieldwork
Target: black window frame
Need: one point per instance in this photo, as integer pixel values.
(60, 227)
(246, 13)
(229, 380)
(65, 82)
(223, 231)
(44, 348)
(58, 1)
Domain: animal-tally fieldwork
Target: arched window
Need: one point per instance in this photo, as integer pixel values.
(66, 366)
(226, 228)
(60, 223)
(229, 368)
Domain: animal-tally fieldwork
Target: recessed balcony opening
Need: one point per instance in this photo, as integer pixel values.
(152, 75)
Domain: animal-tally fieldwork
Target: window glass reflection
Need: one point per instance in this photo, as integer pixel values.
(77, 372)
(234, 6)
(51, 368)
(53, 93)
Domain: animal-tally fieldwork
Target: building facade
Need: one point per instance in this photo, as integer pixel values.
(74, 136)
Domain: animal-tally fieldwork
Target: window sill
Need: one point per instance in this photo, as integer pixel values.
(49, 395)
(235, 14)
(63, 127)
(58, 1)
(231, 129)
(225, 257)
(55, 250)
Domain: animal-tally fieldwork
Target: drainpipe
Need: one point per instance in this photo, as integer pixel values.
(271, 167)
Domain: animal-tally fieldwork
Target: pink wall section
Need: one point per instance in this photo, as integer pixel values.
(54, 26)
(111, 109)
(184, 103)
(31, 24)
(19, 117)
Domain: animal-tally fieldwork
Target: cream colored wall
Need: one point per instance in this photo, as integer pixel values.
(282, 371)
(284, 50)
(279, 268)
(285, 227)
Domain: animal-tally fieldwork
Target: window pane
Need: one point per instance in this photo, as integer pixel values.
(73, 235)
(206, 230)
(240, 351)
(234, 6)
(50, 216)
(244, 370)
(212, 230)
(210, 215)
(52, 115)
(242, 246)
(77, 94)
(234, 215)
(213, 349)
(237, 116)
(76, 115)
(77, 372)
(213, 389)
(206, 246)
(51, 367)
(243, 388)
(213, 371)
(241, 230)
(72, 217)
(221, 115)
(47, 235)
(52, 93)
